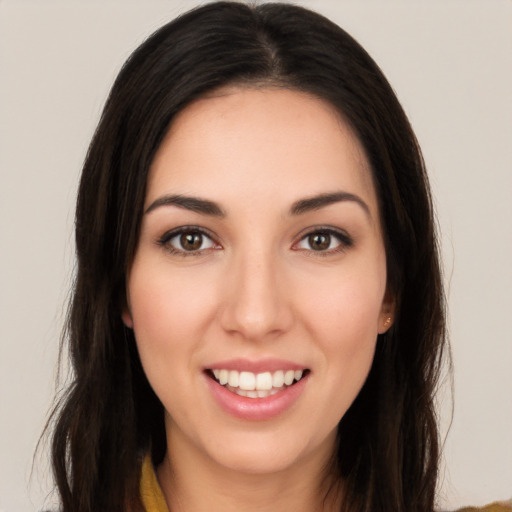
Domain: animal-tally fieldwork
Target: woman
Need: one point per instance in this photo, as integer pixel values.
(258, 317)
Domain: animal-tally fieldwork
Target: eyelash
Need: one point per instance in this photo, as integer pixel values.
(165, 240)
(344, 241)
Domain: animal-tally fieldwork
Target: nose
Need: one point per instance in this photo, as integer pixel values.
(257, 305)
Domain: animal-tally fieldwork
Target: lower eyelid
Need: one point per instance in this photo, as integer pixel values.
(164, 240)
(205, 240)
(344, 240)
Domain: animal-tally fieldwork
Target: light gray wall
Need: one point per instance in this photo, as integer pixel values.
(450, 64)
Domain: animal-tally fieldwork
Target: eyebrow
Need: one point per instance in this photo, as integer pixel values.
(195, 204)
(322, 200)
(207, 207)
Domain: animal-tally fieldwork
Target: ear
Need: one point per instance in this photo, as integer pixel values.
(387, 313)
(127, 317)
(126, 314)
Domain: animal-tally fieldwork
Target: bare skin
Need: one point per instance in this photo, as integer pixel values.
(303, 489)
(261, 245)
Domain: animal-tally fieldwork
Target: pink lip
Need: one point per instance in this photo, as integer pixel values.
(256, 409)
(262, 365)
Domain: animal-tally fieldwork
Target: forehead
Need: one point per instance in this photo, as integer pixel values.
(269, 143)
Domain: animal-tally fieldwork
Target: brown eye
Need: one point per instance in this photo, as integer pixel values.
(319, 241)
(191, 241)
(325, 241)
(187, 241)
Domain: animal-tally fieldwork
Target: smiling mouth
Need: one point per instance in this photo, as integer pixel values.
(256, 385)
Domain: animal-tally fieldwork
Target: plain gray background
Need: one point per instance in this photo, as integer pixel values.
(450, 64)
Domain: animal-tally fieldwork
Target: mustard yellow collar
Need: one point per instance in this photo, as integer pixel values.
(152, 497)
(154, 501)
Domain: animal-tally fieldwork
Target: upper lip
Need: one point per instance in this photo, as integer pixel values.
(255, 366)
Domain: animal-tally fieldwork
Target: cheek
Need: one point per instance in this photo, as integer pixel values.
(167, 307)
(168, 312)
(347, 311)
(343, 318)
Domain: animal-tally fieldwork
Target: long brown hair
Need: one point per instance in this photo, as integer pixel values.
(387, 451)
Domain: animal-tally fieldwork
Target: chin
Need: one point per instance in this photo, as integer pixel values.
(271, 453)
(257, 462)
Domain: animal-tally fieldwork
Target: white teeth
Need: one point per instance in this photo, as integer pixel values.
(278, 379)
(258, 385)
(264, 381)
(223, 377)
(247, 381)
(288, 377)
(233, 378)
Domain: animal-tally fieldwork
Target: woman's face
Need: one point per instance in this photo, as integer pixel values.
(260, 263)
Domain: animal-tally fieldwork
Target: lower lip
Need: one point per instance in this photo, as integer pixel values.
(256, 409)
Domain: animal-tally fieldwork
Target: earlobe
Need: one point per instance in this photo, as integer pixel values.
(386, 322)
(126, 314)
(387, 314)
(127, 318)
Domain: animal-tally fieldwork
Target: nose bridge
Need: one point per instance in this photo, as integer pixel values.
(255, 305)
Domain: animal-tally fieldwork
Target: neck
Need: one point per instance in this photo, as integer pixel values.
(192, 482)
